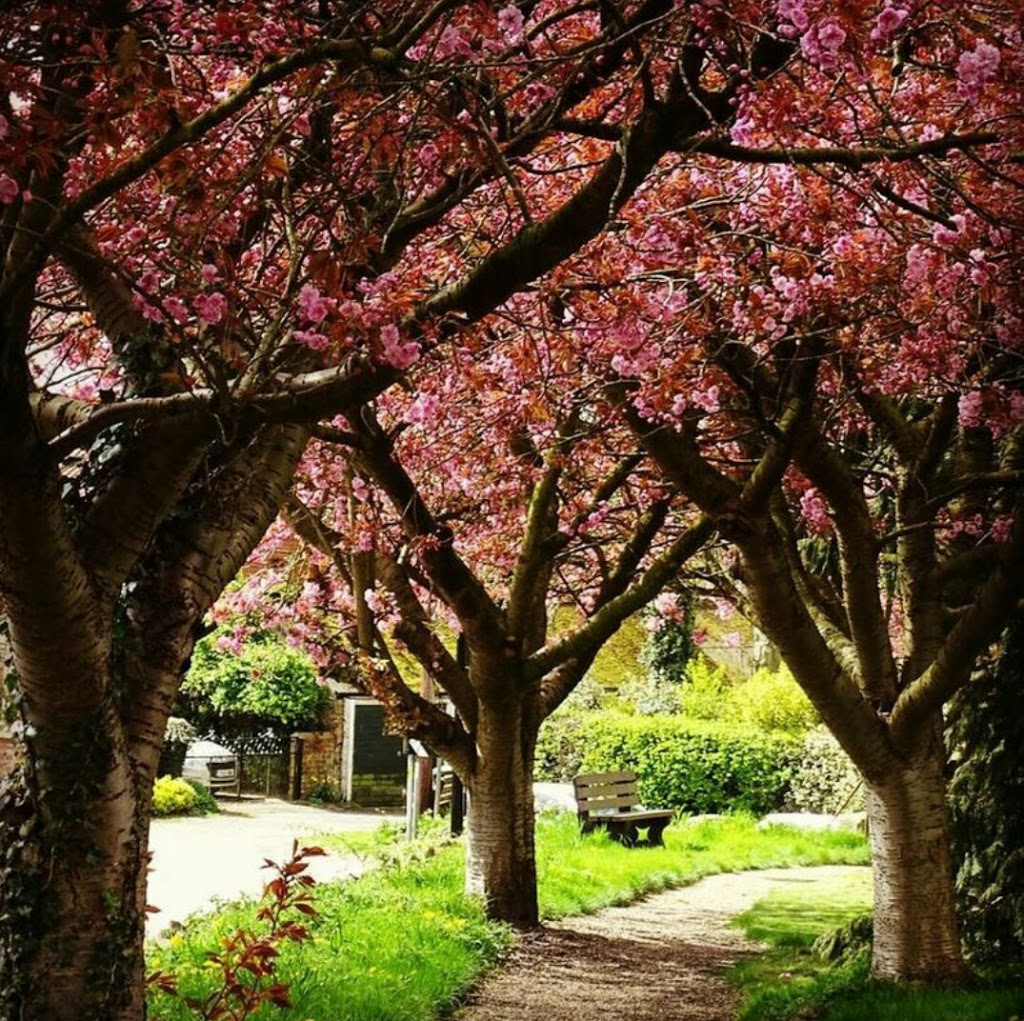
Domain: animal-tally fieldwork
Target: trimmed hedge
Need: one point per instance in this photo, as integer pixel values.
(695, 766)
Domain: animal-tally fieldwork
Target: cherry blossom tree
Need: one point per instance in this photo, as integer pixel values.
(223, 227)
(838, 388)
(220, 227)
(493, 494)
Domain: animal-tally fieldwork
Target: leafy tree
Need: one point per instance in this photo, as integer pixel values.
(263, 685)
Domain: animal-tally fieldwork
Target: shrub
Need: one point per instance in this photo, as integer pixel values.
(206, 803)
(264, 686)
(559, 753)
(706, 693)
(693, 766)
(825, 779)
(174, 796)
(772, 700)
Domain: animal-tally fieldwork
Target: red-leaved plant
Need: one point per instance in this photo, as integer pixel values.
(248, 958)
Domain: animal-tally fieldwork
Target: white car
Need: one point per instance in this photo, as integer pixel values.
(212, 765)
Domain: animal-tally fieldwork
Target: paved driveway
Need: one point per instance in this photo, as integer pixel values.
(199, 860)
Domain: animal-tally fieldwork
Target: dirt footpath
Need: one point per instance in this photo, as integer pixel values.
(661, 958)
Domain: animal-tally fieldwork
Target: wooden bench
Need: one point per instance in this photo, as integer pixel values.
(610, 800)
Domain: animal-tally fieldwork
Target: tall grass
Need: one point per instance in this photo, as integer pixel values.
(403, 944)
(789, 982)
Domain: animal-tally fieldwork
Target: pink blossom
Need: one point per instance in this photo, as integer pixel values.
(311, 339)
(919, 263)
(209, 273)
(428, 155)
(667, 604)
(831, 35)
(1017, 406)
(1002, 528)
(794, 12)
(177, 308)
(815, 512)
(510, 24)
(230, 643)
(975, 68)
(360, 490)
(398, 354)
(211, 307)
(9, 189)
(373, 601)
(312, 304)
(724, 609)
(5, 127)
(699, 636)
(887, 23)
(423, 410)
(731, 640)
(452, 43)
(971, 407)
(707, 399)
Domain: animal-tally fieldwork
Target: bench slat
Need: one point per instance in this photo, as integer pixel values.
(606, 790)
(591, 778)
(597, 804)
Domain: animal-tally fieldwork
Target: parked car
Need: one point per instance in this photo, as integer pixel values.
(213, 765)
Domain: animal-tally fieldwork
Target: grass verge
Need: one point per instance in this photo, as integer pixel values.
(790, 982)
(403, 943)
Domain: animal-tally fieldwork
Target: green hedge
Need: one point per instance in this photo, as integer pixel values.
(691, 765)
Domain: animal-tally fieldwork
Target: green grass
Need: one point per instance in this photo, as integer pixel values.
(789, 983)
(580, 875)
(403, 943)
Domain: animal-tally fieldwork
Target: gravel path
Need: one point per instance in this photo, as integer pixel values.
(662, 957)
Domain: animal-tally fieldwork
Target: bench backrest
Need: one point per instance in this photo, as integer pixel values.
(605, 793)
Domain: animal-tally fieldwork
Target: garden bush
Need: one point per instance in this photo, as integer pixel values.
(693, 766)
(174, 796)
(825, 780)
(772, 700)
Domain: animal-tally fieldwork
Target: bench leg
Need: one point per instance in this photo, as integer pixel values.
(655, 831)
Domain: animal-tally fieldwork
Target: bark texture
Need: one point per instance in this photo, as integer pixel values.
(501, 864)
(917, 936)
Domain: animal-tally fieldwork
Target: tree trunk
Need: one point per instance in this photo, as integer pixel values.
(916, 933)
(72, 891)
(501, 864)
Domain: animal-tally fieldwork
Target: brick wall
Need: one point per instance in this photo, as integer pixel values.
(321, 752)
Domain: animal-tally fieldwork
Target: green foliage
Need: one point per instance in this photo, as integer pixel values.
(706, 692)
(794, 981)
(986, 741)
(772, 700)
(174, 796)
(267, 686)
(846, 942)
(324, 792)
(825, 780)
(670, 647)
(691, 765)
(206, 803)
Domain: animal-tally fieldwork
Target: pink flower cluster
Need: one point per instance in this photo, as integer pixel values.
(976, 68)
(9, 189)
(396, 352)
(815, 512)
